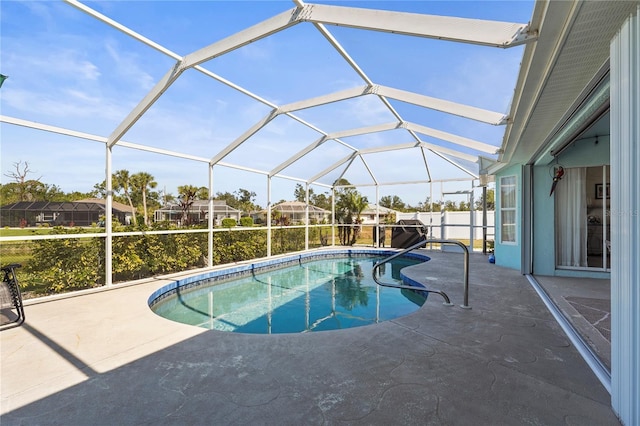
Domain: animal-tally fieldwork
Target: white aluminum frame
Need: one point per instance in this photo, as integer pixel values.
(462, 30)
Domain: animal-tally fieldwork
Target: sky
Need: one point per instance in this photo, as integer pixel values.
(70, 70)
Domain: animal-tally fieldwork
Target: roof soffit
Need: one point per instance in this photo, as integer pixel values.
(572, 47)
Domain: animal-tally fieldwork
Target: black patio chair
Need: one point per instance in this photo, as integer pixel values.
(12, 309)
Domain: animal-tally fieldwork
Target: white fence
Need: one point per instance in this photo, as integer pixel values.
(453, 225)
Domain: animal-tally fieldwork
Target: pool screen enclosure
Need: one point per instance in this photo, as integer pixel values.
(416, 138)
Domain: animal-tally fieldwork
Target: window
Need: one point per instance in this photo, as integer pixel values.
(508, 209)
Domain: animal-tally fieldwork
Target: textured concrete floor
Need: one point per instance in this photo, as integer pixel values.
(587, 303)
(106, 359)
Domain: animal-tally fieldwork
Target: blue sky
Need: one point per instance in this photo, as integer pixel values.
(70, 70)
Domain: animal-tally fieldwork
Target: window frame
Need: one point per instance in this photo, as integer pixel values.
(509, 209)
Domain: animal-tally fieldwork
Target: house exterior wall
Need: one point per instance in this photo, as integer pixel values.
(585, 154)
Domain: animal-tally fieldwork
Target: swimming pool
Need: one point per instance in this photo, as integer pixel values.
(328, 291)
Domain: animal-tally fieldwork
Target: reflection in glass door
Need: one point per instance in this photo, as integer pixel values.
(598, 217)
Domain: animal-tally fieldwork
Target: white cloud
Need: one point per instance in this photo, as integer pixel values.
(59, 63)
(128, 66)
(369, 109)
(485, 80)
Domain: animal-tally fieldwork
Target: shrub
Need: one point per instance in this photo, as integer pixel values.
(67, 264)
(246, 221)
(228, 222)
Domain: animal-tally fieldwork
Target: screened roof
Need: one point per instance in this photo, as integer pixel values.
(297, 207)
(58, 206)
(377, 93)
(219, 206)
(376, 209)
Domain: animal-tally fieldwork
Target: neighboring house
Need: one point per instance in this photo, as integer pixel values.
(85, 212)
(295, 212)
(373, 211)
(574, 129)
(198, 212)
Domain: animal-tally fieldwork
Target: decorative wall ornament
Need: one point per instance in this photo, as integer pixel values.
(557, 176)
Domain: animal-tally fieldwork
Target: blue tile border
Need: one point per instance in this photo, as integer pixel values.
(264, 265)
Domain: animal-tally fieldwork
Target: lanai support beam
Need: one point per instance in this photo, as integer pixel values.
(161, 86)
(464, 30)
(211, 222)
(326, 99)
(454, 108)
(242, 138)
(449, 107)
(306, 216)
(459, 140)
(298, 155)
(108, 221)
(256, 32)
(269, 216)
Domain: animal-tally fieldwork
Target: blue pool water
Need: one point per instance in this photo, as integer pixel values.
(327, 294)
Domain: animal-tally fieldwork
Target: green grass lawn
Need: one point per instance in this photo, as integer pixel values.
(22, 232)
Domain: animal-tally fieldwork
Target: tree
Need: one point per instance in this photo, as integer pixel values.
(450, 206)
(166, 197)
(121, 181)
(25, 189)
(202, 193)
(358, 203)
(77, 195)
(228, 198)
(186, 197)
(246, 200)
(426, 206)
(300, 194)
(349, 206)
(322, 201)
(143, 181)
(100, 189)
(491, 203)
(242, 199)
(392, 202)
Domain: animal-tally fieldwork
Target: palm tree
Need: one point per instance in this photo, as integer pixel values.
(349, 206)
(122, 181)
(143, 181)
(357, 204)
(203, 193)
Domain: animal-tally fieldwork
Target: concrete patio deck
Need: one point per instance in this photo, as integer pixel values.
(106, 359)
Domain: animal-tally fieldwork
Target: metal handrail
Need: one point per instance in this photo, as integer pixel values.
(465, 304)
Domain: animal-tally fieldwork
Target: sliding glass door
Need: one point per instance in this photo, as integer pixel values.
(582, 219)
